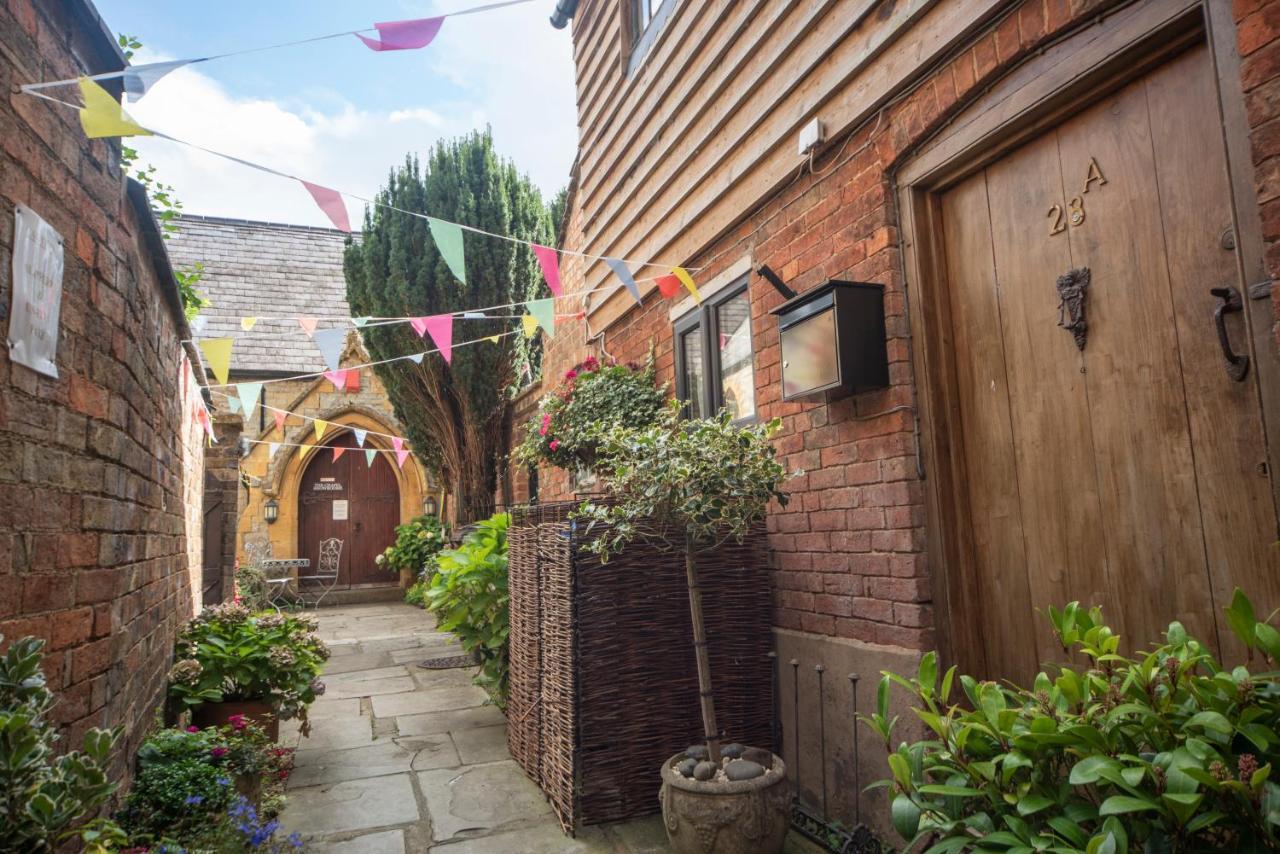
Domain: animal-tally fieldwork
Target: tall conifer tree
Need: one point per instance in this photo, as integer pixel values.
(458, 416)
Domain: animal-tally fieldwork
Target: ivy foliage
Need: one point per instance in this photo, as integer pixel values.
(1164, 751)
(468, 592)
(457, 415)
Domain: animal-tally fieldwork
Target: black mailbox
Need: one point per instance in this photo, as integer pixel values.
(833, 340)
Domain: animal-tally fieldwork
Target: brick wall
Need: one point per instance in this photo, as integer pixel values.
(95, 538)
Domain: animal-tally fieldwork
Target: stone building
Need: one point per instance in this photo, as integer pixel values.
(100, 463)
(280, 277)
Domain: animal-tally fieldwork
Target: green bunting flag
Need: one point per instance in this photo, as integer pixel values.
(369, 456)
(250, 394)
(448, 238)
(544, 311)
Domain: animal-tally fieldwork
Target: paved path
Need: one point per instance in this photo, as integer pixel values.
(403, 759)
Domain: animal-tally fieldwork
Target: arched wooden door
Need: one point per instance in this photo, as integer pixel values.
(349, 499)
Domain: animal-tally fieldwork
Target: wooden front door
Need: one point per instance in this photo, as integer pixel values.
(1131, 473)
(355, 502)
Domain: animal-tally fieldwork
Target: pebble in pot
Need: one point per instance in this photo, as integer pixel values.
(704, 770)
(743, 769)
(759, 756)
(686, 767)
(698, 752)
(733, 751)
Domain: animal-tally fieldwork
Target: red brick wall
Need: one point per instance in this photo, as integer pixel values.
(849, 549)
(93, 541)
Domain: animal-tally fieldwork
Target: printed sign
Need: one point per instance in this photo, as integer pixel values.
(340, 510)
(326, 486)
(37, 292)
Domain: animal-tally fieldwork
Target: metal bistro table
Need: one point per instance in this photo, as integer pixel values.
(279, 575)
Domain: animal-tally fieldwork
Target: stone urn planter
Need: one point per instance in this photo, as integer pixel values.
(220, 714)
(724, 815)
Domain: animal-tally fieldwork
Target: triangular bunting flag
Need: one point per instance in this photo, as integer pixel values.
(419, 325)
(369, 457)
(272, 447)
(545, 312)
(403, 35)
(308, 324)
(360, 436)
(338, 451)
(361, 322)
(353, 379)
(217, 351)
(620, 270)
(247, 323)
(249, 396)
(530, 325)
(417, 358)
(330, 343)
(280, 417)
(233, 404)
(198, 323)
(448, 238)
(138, 79)
(401, 453)
(492, 339)
(440, 328)
(550, 264)
(668, 286)
(102, 116)
(320, 427)
(330, 201)
(683, 275)
(338, 378)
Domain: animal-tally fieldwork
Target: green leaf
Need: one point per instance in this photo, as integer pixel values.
(950, 791)
(1269, 640)
(1033, 803)
(1089, 770)
(1241, 619)
(1122, 804)
(906, 816)
(1182, 806)
(1211, 722)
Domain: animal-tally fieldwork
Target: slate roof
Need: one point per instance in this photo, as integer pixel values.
(268, 270)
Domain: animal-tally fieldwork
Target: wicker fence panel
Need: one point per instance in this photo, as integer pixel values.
(617, 689)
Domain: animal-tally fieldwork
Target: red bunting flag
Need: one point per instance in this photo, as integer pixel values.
(550, 264)
(668, 286)
(338, 451)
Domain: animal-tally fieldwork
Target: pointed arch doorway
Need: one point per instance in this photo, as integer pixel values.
(356, 502)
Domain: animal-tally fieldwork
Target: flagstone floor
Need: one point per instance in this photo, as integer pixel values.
(402, 759)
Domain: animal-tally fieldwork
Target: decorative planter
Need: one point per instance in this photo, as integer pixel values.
(219, 714)
(406, 578)
(742, 817)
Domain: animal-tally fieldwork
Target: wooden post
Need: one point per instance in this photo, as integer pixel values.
(710, 731)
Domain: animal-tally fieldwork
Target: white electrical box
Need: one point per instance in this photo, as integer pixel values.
(812, 135)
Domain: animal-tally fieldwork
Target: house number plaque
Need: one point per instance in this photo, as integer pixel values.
(1073, 213)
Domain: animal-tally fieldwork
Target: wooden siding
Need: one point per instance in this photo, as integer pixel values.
(673, 155)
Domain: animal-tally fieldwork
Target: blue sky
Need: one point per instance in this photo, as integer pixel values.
(335, 112)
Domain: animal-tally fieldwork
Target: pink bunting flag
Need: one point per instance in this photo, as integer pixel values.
(338, 378)
(338, 451)
(308, 324)
(440, 327)
(401, 453)
(550, 264)
(330, 201)
(403, 35)
(280, 417)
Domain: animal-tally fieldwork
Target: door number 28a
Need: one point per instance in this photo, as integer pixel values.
(1074, 213)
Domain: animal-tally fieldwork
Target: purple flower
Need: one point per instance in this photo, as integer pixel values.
(195, 799)
(223, 781)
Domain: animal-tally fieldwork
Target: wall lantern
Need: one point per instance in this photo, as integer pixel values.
(271, 510)
(430, 506)
(833, 340)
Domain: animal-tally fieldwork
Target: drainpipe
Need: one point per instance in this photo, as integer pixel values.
(563, 12)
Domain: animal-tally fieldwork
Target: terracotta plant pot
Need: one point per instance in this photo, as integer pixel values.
(219, 714)
(406, 579)
(740, 817)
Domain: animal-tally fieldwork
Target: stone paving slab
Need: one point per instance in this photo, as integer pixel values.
(471, 800)
(322, 767)
(376, 802)
(453, 721)
(428, 700)
(540, 839)
(384, 842)
(481, 744)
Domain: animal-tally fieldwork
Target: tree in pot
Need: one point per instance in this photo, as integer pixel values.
(690, 486)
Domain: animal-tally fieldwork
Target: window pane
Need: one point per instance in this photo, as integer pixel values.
(691, 353)
(737, 378)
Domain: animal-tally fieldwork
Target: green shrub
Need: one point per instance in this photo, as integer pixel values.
(251, 587)
(44, 800)
(417, 542)
(1166, 751)
(469, 594)
(416, 594)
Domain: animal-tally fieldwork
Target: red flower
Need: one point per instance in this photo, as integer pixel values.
(193, 728)
(554, 444)
(570, 375)
(218, 752)
(237, 722)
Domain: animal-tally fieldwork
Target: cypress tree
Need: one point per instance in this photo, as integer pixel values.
(457, 416)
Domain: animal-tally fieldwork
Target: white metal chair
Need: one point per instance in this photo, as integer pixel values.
(326, 574)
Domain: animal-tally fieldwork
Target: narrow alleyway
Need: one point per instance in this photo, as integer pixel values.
(403, 759)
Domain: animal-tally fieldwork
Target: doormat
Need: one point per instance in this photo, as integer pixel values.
(446, 662)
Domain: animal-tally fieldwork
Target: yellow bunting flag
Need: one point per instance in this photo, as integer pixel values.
(102, 114)
(247, 323)
(530, 324)
(683, 275)
(320, 426)
(492, 339)
(218, 353)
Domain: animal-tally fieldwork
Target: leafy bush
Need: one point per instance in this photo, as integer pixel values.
(251, 587)
(417, 542)
(1166, 751)
(228, 654)
(469, 594)
(416, 594)
(591, 398)
(44, 800)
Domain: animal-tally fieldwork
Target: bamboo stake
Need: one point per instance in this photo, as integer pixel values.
(710, 731)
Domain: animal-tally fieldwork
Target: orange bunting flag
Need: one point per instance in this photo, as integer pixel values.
(280, 417)
(338, 451)
(668, 286)
(308, 324)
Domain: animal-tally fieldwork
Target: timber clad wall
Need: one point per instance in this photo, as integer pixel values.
(100, 470)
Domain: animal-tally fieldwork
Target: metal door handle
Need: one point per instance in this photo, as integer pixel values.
(1237, 365)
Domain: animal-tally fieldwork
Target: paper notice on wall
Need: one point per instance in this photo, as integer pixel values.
(37, 292)
(340, 510)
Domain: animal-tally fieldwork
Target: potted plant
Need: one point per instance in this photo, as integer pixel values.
(689, 486)
(591, 398)
(417, 542)
(264, 667)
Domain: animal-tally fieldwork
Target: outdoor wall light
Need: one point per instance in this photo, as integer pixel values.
(430, 506)
(833, 340)
(271, 510)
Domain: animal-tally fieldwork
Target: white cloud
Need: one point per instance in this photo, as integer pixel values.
(516, 74)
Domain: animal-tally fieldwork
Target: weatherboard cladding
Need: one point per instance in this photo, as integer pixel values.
(268, 270)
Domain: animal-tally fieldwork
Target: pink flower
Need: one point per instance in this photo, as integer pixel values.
(218, 752)
(570, 375)
(546, 424)
(193, 728)
(237, 721)
(590, 363)
(555, 444)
